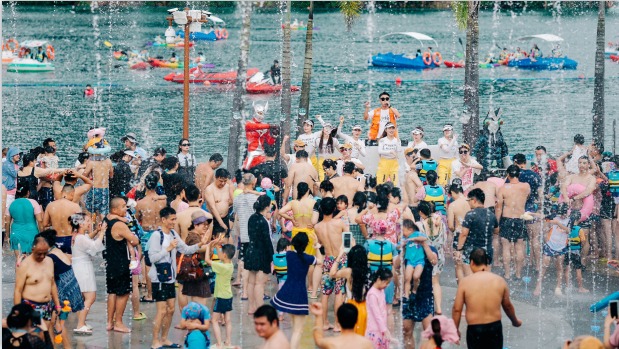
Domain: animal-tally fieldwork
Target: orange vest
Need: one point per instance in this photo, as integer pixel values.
(373, 133)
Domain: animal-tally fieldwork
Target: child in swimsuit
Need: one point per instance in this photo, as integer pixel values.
(414, 257)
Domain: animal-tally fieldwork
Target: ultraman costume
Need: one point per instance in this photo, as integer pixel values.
(257, 134)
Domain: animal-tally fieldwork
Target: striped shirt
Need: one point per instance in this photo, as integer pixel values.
(243, 208)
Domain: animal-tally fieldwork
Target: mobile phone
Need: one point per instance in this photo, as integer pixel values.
(36, 317)
(613, 268)
(614, 305)
(347, 240)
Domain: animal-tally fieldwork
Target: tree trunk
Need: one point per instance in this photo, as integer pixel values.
(307, 73)
(238, 105)
(598, 89)
(471, 75)
(286, 95)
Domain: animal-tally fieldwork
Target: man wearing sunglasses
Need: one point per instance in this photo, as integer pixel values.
(381, 116)
(464, 167)
(346, 150)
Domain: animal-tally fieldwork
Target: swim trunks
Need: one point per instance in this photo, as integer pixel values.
(219, 229)
(46, 196)
(486, 336)
(63, 243)
(44, 308)
(586, 224)
(573, 261)
(328, 285)
(553, 253)
(98, 200)
(513, 229)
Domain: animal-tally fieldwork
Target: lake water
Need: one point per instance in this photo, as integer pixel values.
(540, 107)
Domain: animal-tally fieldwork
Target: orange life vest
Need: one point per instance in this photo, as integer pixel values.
(373, 133)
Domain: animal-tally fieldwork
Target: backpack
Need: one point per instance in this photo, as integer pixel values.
(189, 268)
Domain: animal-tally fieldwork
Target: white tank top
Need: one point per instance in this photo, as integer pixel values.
(557, 240)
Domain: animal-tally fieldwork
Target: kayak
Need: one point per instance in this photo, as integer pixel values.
(257, 88)
(119, 56)
(157, 63)
(400, 61)
(138, 65)
(197, 77)
(489, 65)
(163, 44)
(453, 64)
(614, 58)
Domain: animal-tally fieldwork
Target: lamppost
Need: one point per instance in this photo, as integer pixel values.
(192, 20)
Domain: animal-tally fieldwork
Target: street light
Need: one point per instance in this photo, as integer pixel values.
(191, 19)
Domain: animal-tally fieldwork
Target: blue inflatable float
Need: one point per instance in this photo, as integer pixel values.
(399, 61)
(604, 302)
(199, 36)
(544, 63)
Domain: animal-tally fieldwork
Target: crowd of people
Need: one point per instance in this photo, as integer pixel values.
(170, 228)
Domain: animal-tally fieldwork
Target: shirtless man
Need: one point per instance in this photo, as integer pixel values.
(509, 208)
(71, 176)
(347, 314)
(301, 171)
(329, 232)
(490, 190)
(584, 178)
(57, 216)
(347, 184)
(218, 199)
(483, 293)
(291, 159)
(455, 216)
(412, 183)
(206, 170)
(266, 325)
(98, 199)
(34, 281)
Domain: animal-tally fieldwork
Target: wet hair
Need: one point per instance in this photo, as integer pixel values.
(166, 212)
(360, 200)
(562, 208)
(19, 315)
(23, 188)
(383, 274)
(74, 225)
(382, 203)
(370, 182)
(302, 189)
(382, 189)
(49, 150)
(342, 198)
(479, 257)
(359, 170)
(47, 141)
(328, 163)
(349, 167)
(152, 180)
(262, 203)
(238, 175)
(328, 206)
(228, 250)
(383, 94)
(584, 157)
(268, 311)
(599, 146)
(347, 315)
(426, 208)
(302, 154)
(436, 329)
(222, 173)
(270, 150)
(431, 177)
(575, 216)
(425, 153)
(177, 189)
(358, 263)
(513, 171)
(117, 156)
(409, 224)
(69, 177)
(282, 244)
(192, 193)
(326, 185)
(169, 162)
(216, 158)
(456, 186)
(50, 236)
(396, 193)
(68, 188)
(38, 239)
(478, 195)
(579, 139)
(28, 158)
(520, 159)
(299, 242)
(389, 185)
(37, 151)
(541, 147)
(159, 151)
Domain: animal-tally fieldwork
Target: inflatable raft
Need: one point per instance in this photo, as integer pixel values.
(391, 60)
(544, 63)
(453, 64)
(258, 88)
(139, 65)
(197, 77)
(615, 58)
(214, 35)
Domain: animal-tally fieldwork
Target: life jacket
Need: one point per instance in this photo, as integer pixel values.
(426, 165)
(613, 181)
(436, 194)
(280, 266)
(215, 257)
(574, 239)
(373, 132)
(378, 257)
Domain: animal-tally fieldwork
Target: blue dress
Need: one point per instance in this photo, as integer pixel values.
(292, 297)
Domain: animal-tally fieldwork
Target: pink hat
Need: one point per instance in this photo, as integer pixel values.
(97, 131)
(448, 329)
(379, 226)
(266, 183)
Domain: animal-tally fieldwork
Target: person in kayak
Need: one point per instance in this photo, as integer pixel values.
(381, 116)
(89, 91)
(504, 55)
(41, 56)
(173, 59)
(144, 56)
(556, 52)
(536, 53)
(200, 58)
(519, 54)
(276, 74)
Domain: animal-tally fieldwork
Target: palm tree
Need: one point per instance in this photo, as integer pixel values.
(467, 14)
(350, 10)
(598, 90)
(307, 72)
(238, 105)
(286, 96)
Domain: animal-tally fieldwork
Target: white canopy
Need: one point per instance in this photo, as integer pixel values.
(34, 43)
(546, 37)
(420, 37)
(215, 19)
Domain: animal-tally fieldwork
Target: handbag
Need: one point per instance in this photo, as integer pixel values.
(208, 272)
(164, 270)
(189, 268)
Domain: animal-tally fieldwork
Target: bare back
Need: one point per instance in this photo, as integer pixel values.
(38, 279)
(412, 183)
(58, 213)
(302, 211)
(277, 341)
(346, 185)
(348, 340)
(329, 233)
(490, 190)
(512, 197)
(147, 211)
(101, 172)
(204, 176)
(456, 212)
(301, 172)
(484, 293)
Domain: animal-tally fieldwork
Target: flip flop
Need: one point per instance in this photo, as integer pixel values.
(266, 297)
(144, 300)
(82, 330)
(313, 297)
(173, 345)
(244, 299)
(141, 316)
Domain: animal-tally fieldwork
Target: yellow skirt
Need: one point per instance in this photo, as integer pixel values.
(444, 171)
(321, 171)
(387, 168)
(361, 317)
(309, 232)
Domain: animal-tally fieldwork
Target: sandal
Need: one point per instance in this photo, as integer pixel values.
(140, 316)
(144, 300)
(266, 297)
(83, 330)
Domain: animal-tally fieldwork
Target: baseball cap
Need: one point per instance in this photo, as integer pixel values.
(299, 143)
(131, 137)
(409, 150)
(309, 122)
(159, 151)
(448, 127)
(357, 127)
(464, 145)
(389, 124)
(130, 153)
(346, 145)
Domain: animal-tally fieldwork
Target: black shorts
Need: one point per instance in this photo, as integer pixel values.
(63, 243)
(147, 260)
(118, 284)
(162, 291)
(607, 211)
(222, 306)
(415, 211)
(586, 224)
(486, 336)
(573, 260)
(243, 250)
(513, 229)
(218, 229)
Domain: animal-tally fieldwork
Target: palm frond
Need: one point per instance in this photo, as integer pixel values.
(461, 13)
(350, 10)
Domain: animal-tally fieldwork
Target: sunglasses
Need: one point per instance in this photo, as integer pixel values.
(464, 151)
(384, 98)
(185, 145)
(344, 149)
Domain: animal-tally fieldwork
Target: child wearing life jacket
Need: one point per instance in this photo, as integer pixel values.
(572, 257)
(280, 266)
(96, 143)
(425, 164)
(414, 257)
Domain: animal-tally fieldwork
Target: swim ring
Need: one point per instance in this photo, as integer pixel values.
(587, 202)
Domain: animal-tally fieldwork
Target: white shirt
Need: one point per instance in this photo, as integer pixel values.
(186, 160)
(558, 238)
(309, 140)
(167, 239)
(340, 165)
(419, 146)
(384, 119)
(386, 146)
(293, 160)
(452, 147)
(360, 142)
(325, 152)
(467, 179)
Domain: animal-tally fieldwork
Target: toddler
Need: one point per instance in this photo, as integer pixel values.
(414, 258)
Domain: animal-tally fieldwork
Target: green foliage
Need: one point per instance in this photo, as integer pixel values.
(350, 10)
(461, 13)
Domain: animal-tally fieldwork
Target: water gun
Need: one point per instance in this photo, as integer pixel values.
(64, 314)
(604, 302)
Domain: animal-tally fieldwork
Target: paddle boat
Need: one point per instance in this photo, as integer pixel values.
(611, 50)
(543, 63)
(391, 60)
(196, 76)
(212, 33)
(614, 58)
(262, 83)
(23, 65)
(9, 53)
